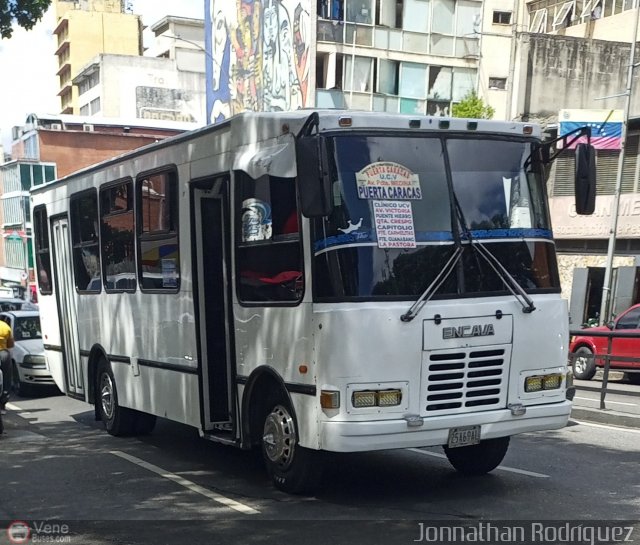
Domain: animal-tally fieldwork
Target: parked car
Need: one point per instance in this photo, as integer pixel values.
(29, 363)
(585, 345)
(13, 303)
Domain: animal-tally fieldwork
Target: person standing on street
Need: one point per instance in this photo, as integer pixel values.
(1, 423)
(6, 342)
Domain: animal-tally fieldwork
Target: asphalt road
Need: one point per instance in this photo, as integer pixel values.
(58, 466)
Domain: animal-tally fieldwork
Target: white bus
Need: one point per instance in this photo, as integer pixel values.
(313, 281)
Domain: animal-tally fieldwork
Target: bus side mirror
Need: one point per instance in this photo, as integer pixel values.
(314, 181)
(585, 182)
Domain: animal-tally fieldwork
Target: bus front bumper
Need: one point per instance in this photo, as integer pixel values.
(391, 434)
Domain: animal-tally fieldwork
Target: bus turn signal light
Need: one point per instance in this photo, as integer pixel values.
(329, 399)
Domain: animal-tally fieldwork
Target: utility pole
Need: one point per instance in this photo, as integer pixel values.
(605, 307)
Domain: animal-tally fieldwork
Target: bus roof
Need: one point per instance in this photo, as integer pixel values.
(328, 120)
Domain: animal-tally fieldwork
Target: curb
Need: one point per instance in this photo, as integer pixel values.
(613, 418)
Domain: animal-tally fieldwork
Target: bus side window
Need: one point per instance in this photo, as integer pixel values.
(269, 253)
(158, 244)
(84, 237)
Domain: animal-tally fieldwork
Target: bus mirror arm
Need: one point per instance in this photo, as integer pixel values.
(585, 173)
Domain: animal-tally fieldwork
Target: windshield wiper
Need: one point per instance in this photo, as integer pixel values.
(503, 274)
(434, 286)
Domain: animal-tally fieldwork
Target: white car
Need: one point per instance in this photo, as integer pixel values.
(29, 363)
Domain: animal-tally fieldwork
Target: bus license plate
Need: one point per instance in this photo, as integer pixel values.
(463, 437)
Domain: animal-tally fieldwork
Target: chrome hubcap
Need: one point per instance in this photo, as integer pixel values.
(279, 437)
(580, 365)
(106, 395)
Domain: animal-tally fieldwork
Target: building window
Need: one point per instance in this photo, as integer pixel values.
(497, 83)
(84, 110)
(359, 11)
(31, 149)
(388, 72)
(85, 242)
(117, 237)
(358, 79)
(95, 106)
(159, 248)
(42, 252)
(501, 17)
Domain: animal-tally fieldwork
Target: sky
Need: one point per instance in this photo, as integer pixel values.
(28, 81)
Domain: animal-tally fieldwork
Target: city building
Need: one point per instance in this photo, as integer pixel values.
(405, 56)
(86, 28)
(167, 83)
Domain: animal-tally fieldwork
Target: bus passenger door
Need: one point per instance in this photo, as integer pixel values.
(210, 212)
(68, 318)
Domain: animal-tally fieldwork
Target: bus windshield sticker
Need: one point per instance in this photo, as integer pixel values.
(394, 224)
(389, 181)
(352, 227)
(169, 273)
(256, 220)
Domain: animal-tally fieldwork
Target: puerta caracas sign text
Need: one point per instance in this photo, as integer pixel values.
(388, 181)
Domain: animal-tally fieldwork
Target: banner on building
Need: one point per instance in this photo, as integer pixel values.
(606, 126)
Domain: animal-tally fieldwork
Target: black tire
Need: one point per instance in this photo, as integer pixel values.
(144, 424)
(633, 378)
(584, 365)
(19, 387)
(478, 459)
(118, 421)
(292, 468)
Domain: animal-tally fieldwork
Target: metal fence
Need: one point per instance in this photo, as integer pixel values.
(610, 335)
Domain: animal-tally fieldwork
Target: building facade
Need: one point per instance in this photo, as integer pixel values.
(84, 29)
(146, 88)
(16, 180)
(403, 56)
(576, 54)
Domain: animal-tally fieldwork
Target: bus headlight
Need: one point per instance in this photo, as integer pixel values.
(376, 398)
(537, 383)
(363, 398)
(389, 398)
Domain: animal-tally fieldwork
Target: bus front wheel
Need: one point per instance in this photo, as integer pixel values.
(118, 421)
(292, 468)
(478, 459)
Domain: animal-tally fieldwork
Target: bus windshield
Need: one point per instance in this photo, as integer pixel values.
(396, 222)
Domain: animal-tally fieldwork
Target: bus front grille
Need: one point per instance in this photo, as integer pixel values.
(465, 380)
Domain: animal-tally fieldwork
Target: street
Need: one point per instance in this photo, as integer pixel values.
(58, 464)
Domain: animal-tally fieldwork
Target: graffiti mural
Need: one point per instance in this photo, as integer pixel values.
(260, 56)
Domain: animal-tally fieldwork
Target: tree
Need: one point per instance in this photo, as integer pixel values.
(26, 13)
(472, 106)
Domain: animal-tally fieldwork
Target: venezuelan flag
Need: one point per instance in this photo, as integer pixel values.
(606, 126)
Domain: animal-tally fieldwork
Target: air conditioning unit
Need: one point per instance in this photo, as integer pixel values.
(56, 126)
(87, 127)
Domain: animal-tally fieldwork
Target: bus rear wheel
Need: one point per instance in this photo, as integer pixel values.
(118, 421)
(478, 459)
(292, 468)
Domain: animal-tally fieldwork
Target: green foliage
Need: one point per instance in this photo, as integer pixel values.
(25, 13)
(472, 106)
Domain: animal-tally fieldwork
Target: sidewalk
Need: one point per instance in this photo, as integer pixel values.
(622, 401)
